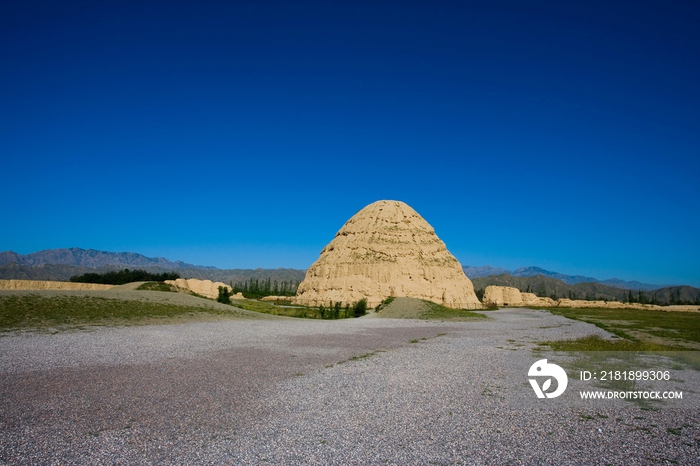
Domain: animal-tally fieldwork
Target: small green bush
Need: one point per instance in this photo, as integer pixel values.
(360, 307)
(224, 295)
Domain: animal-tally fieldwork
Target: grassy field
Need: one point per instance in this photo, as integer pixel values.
(641, 329)
(647, 339)
(413, 308)
(65, 312)
(269, 308)
(439, 312)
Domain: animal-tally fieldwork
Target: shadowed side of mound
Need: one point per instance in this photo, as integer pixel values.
(414, 308)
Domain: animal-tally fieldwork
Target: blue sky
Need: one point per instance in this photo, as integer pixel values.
(564, 135)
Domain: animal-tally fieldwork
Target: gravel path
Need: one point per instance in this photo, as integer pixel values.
(293, 391)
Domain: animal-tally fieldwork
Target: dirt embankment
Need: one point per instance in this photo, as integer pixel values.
(49, 285)
(512, 297)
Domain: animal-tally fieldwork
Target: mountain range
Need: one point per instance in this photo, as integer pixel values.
(488, 271)
(91, 258)
(61, 264)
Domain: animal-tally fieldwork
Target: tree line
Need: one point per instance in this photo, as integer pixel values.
(333, 311)
(122, 277)
(336, 311)
(255, 289)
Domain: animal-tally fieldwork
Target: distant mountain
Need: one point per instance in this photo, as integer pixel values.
(570, 279)
(487, 271)
(61, 264)
(54, 272)
(62, 272)
(90, 258)
(633, 285)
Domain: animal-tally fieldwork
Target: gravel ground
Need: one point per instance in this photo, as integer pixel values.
(293, 391)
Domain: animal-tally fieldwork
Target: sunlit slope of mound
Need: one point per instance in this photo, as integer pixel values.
(386, 250)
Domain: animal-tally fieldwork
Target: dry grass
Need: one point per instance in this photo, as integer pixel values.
(31, 311)
(412, 308)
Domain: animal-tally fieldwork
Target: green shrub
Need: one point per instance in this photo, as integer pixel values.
(360, 307)
(224, 295)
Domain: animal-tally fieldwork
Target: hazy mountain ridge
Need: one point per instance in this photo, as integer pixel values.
(487, 271)
(91, 258)
(61, 264)
(62, 272)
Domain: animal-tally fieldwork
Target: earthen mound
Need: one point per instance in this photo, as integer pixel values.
(384, 250)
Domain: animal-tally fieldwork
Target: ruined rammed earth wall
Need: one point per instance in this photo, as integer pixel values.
(49, 285)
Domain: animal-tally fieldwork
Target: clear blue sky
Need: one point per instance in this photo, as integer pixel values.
(564, 135)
